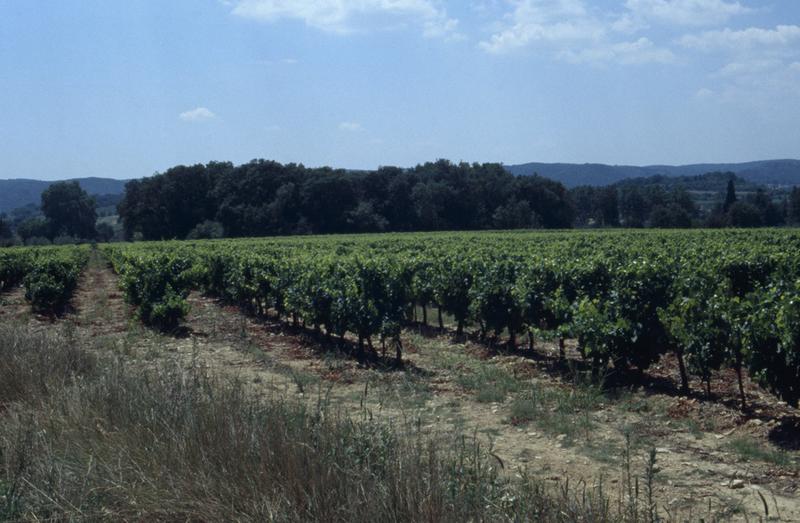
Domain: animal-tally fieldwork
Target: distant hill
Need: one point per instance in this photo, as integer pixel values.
(768, 172)
(21, 192)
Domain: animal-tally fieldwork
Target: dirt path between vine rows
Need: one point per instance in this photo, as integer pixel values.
(710, 461)
(701, 471)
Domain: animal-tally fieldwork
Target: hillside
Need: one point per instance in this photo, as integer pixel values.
(768, 172)
(21, 192)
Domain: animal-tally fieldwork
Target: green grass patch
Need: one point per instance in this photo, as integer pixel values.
(489, 383)
(558, 411)
(751, 450)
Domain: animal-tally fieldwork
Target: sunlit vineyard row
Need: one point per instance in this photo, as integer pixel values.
(715, 299)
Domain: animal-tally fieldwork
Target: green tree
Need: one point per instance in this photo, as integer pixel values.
(32, 228)
(69, 211)
(207, 230)
(633, 207)
(743, 214)
(609, 206)
(730, 196)
(670, 216)
(5, 228)
(514, 215)
(794, 206)
(105, 232)
(771, 214)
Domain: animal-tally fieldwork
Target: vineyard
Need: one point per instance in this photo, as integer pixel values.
(49, 274)
(557, 354)
(713, 299)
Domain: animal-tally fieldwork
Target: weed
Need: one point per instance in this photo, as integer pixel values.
(559, 411)
(407, 391)
(650, 472)
(751, 450)
(489, 383)
(302, 379)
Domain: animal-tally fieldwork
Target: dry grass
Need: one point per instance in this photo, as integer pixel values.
(86, 440)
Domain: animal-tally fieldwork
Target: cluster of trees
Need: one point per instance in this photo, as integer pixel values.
(757, 210)
(6, 233)
(268, 198)
(633, 206)
(649, 205)
(68, 215)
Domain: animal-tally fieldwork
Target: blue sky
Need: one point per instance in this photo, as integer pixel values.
(127, 88)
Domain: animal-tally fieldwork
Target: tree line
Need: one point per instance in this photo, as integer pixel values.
(267, 198)
(635, 205)
(263, 198)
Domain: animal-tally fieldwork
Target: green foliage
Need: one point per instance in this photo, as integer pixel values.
(773, 341)
(14, 264)
(265, 197)
(33, 228)
(695, 326)
(493, 301)
(207, 230)
(69, 211)
(6, 234)
(157, 284)
(715, 298)
(50, 275)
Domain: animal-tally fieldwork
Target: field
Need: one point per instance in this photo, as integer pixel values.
(547, 376)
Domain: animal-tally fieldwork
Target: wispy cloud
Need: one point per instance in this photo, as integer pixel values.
(748, 67)
(638, 52)
(685, 12)
(704, 93)
(343, 17)
(574, 32)
(278, 62)
(756, 62)
(351, 127)
(197, 114)
(744, 39)
(544, 21)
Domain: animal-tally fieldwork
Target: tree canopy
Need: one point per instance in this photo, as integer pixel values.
(69, 211)
(264, 198)
(268, 198)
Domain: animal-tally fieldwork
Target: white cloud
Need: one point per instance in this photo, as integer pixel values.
(347, 16)
(638, 52)
(551, 21)
(544, 21)
(351, 127)
(704, 93)
(280, 62)
(197, 114)
(757, 62)
(575, 33)
(752, 37)
(686, 12)
(748, 67)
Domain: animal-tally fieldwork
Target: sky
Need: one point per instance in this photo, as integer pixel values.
(124, 89)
